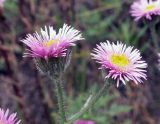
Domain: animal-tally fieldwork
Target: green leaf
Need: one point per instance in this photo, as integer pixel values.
(117, 109)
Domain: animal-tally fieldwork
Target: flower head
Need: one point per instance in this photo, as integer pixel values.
(84, 122)
(145, 8)
(53, 66)
(49, 44)
(5, 118)
(123, 63)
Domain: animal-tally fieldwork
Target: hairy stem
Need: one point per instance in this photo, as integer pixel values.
(60, 99)
(89, 103)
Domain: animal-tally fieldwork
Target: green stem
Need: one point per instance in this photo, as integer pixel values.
(89, 103)
(153, 35)
(60, 99)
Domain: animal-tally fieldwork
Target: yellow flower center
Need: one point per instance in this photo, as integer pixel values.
(150, 7)
(119, 60)
(50, 42)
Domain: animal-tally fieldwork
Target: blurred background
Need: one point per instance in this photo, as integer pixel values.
(30, 93)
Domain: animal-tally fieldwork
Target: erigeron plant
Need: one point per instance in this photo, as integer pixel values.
(51, 52)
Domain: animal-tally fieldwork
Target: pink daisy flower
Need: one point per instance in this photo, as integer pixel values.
(51, 44)
(84, 122)
(145, 8)
(123, 63)
(5, 118)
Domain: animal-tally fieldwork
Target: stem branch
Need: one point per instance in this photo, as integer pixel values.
(89, 103)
